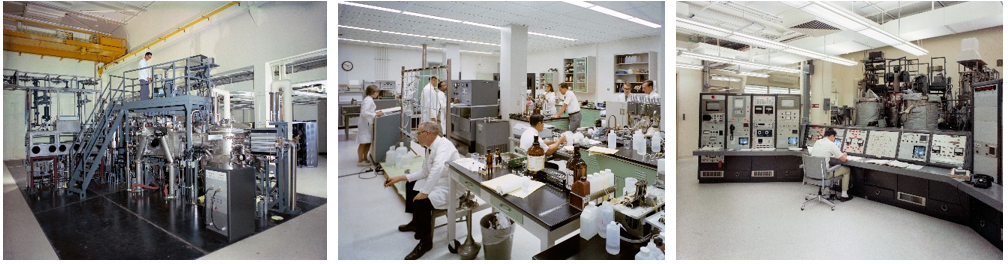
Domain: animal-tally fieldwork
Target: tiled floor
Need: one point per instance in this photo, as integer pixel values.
(764, 221)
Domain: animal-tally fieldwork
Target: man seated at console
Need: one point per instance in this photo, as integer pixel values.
(826, 147)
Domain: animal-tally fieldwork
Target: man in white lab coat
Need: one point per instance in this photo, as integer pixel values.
(431, 182)
(144, 75)
(826, 148)
(441, 106)
(649, 92)
(528, 136)
(428, 101)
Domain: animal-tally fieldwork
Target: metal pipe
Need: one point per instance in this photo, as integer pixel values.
(171, 167)
(141, 147)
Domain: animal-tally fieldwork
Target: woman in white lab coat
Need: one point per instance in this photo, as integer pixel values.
(365, 124)
(551, 99)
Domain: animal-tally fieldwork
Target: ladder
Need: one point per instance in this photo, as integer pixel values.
(107, 117)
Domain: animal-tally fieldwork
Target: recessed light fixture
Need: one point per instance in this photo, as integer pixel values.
(854, 22)
(718, 32)
(447, 19)
(724, 78)
(689, 66)
(613, 13)
(700, 56)
(420, 36)
(411, 46)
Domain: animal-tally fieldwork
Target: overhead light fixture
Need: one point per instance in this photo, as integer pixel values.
(420, 36)
(613, 13)
(854, 22)
(718, 32)
(701, 56)
(411, 46)
(444, 19)
(753, 74)
(725, 78)
(689, 66)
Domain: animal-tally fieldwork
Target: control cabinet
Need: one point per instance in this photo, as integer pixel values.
(712, 124)
(788, 120)
(948, 150)
(738, 130)
(914, 147)
(763, 121)
(230, 202)
(854, 142)
(476, 92)
(987, 129)
(882, 144)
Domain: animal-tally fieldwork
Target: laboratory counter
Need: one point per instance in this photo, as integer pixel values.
(577, 248)
(546, 118)
(624, 153)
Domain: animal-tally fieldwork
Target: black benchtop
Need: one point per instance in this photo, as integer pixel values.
(546, 118)
(544, 199)
(993, 196)
(624, 153)
(577, 248)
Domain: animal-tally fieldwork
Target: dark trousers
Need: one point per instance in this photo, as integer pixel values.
(144, 90)
(423, 212)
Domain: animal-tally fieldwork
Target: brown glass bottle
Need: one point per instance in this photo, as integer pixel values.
(489, 162)
(536, 157)
(581, 188)
(498, 160)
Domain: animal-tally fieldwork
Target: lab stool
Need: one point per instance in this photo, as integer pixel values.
(469, 249)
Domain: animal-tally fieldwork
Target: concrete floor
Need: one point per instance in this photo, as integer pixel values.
(764, 221)
(303, 237)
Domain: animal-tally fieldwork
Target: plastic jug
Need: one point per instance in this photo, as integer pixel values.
(604, 215)
(612, 140)
(656, 142)
(639, 142)
(390, 155)
(400, 155)
(588, 226)
(643, 254)
(612, 244)
(656, 253)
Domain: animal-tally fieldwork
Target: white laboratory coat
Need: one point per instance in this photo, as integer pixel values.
(433, 179)
(527, 139)
(440, 107)
(428, 103)
(550, 107)
(366, 120)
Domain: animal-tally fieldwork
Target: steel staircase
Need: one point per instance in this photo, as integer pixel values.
(107, 117)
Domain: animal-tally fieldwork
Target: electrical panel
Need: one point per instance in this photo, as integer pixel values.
(855, 140)
(739, 117)
(763, 121)
(788, 120)
(987, 129)
(476, 92)
(948, 150)
(712, 124)
(815, 133)
(914, 146)
(230, 202)
(882, 144)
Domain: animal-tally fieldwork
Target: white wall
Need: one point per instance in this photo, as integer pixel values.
(604, 53)
(688, 87)
(366, 67)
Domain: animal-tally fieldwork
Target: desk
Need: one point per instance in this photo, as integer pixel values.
(545, 213)
(346, 114)
(577, 248)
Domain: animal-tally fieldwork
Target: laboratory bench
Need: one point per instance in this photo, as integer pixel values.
(577, 248)
(928, 190)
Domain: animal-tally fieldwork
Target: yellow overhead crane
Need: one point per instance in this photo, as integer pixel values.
(98, 47)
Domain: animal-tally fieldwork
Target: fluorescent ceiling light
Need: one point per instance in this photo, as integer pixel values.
(613, 13)
(421, 36)
(447, 19)
(689, 66)
(854, 22)
(754, 74)
(701, 56)
(411, 46)
(718, 32)
(725, 78)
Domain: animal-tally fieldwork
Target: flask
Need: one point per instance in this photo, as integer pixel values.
(536, 157)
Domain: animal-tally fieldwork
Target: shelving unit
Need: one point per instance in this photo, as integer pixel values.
(633, 69)
(579, 73)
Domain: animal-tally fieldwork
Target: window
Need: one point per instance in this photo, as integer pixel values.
(763, 89)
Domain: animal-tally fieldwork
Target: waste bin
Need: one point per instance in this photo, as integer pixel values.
(496, 242)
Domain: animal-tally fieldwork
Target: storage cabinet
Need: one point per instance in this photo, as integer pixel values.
(633, 69)
(579, 73)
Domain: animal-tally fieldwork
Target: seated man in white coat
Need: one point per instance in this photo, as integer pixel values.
(431, 182)
(528, 137)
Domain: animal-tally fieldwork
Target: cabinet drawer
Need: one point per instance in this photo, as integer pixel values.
(738, 175)
(514, 213)
(787, 163)
(795, 174)
(948, 211)
(988, 230)
(763, 163)
(470, 184)
(738, 163)
(881, 179)
(985, 211)
(943, 191)
(882, 195)
(912, 185)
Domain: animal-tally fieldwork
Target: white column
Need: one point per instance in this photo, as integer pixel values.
(451, 52)
(514, 59)
(260, 99)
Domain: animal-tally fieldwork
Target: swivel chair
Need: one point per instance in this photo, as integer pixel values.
(817, 173)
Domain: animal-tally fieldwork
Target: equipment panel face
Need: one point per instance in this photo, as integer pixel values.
(764, 118)
(914, 146)
(948, 150)
(855, 141)
(882, 144)
(739, 120)
(476, 92)
(788, 120)
(712, 125)
(815, 133)
(987, 129)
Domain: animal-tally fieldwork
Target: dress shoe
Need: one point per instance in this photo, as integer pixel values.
(407, 227)
(420, 249)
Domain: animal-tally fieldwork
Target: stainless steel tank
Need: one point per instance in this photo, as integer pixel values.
(224, 140)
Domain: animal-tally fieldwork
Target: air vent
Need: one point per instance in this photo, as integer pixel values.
(815, 28)
(763, 174)
(719, 42)
(711, 174)
(910, 198)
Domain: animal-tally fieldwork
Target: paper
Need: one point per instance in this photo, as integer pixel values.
(390, 110)
(569, 149)
(469, 164)
(915, 167)
(854, 158)
(507, 183)
(602, 150)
